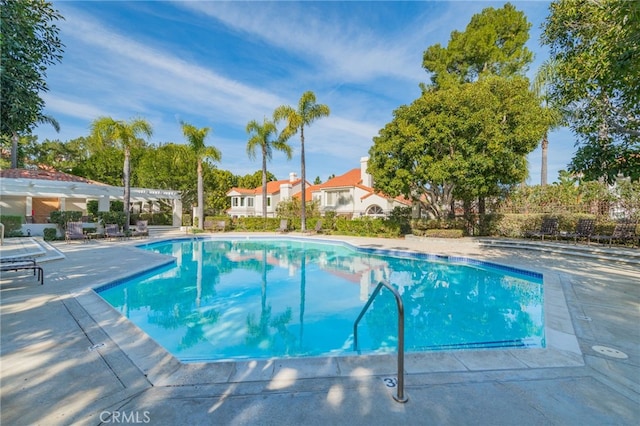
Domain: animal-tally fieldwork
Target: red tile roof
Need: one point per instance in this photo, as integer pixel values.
(50, 175)
(351, 178)
(273, 187)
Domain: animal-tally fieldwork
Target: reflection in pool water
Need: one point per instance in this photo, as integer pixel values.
(263, 298)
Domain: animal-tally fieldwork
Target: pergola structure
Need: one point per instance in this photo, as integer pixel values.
(34, 194)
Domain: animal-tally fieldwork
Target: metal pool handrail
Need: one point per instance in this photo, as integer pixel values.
(400, 397)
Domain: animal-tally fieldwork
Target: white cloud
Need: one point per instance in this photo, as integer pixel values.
(71, 108)
(345, 49)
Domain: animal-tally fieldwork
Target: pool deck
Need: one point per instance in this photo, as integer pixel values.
(69, 358)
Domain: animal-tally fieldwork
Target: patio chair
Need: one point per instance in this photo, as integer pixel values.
(284, 226)
(112, 230)
(74, 231)
(141, 229)
(23, 264)
(317, 229)
(584, 229)
(548, 228)
(623, 232)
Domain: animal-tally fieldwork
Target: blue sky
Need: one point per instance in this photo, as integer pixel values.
(221, 64)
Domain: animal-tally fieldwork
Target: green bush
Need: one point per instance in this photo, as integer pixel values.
(92, 209)
(258, 224)
(368, 227)
(61, 218)
(157, 218)
(444, 233)
(112, 217)
(421, 226)
(50, 234)
(12, 224)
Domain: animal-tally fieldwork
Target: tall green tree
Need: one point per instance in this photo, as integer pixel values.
(29, 44)
(469, 133)
(492, 43)
(254, 180)
(221, 183)
(265, 137)
(196, 138)
(169, 166)
(62, 156)
(596, 45)
(296, 120)
(463, 142)
(107, 132)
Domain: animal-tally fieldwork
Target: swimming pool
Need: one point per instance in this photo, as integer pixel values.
(254, 298)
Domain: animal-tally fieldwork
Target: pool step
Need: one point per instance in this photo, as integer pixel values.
(592, 251)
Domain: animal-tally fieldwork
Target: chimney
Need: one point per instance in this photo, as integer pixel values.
(293, 177)
(367, 179)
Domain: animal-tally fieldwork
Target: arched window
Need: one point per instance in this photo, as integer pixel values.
(375, 211)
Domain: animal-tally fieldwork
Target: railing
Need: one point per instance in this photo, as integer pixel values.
(400, 397)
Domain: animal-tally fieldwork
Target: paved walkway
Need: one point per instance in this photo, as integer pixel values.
(68, 358)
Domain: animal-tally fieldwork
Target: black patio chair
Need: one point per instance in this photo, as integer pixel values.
(549, 228)
(18, 264)
(623, 233)
(584, 230)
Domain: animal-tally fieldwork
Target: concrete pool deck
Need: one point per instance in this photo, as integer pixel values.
(69, 358)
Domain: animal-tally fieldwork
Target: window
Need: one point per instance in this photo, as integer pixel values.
(375, 211)
(249, 202)
(268, 201)
(235, 201)
(242, 202)
(339, 198)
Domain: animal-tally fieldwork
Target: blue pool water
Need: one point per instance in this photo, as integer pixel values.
(261, 298)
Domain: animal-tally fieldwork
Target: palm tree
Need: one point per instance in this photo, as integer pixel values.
(262, 136)
(196, 137)
(543, 78)
(307, 112)
(106, 131)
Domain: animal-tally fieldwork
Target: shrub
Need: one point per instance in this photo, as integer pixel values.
(258, 224)
(61, 218)
(368, 227)
(444, 233)
(50, 234)
(421, 226)
(112, 217)
(12, 224)
(157, 218)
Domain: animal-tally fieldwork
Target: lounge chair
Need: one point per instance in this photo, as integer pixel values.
(112, 230)
(549, 228)
(584, 229)
(317, 229)
(141, 229)
(23, 264)
(74, 231)
(284, 226)
(623, 232)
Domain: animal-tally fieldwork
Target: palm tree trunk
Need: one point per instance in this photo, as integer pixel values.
(543, 169)
(303, 207)
(264, 183)
(200, 210)
(14, 151)
(127, 187)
